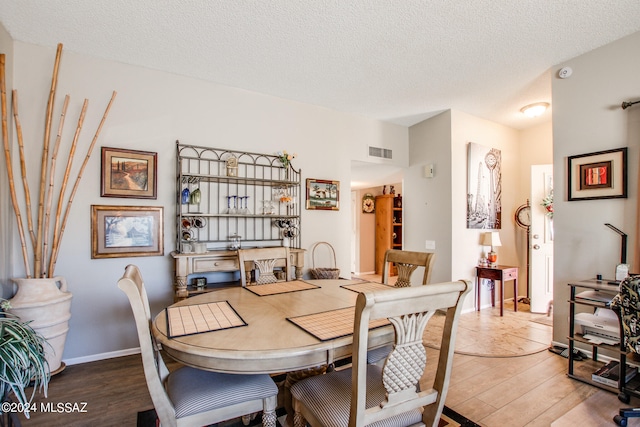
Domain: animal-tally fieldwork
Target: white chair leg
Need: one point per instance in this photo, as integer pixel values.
(269, 419)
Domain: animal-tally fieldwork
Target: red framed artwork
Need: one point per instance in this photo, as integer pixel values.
(599, 175)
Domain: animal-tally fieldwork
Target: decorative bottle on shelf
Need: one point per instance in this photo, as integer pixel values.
(398, 201)
(195, 196)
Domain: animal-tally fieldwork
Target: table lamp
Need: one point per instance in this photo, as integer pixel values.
(491, 238)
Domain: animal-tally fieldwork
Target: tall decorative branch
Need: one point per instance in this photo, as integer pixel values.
(7, 156)
(23, 168)
(43, 261)
(43, 171)
(52, 174)
(56, 241)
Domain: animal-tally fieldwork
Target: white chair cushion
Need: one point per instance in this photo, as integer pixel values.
(193, 390)
(328, 397)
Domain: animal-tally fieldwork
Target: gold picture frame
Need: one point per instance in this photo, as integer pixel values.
(128, 173)
(323, 194)
(126, 231)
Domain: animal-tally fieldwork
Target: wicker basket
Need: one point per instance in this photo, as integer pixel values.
(320, 272)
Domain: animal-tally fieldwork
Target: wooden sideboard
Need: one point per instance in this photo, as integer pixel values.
(214, 262)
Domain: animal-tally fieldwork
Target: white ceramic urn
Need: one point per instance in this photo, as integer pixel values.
(46, 303)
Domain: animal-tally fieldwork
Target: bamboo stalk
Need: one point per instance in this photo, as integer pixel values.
(23, 169)
(75, 186)
(65, 180)
(45, 163)
(7, 156)
(54, 157)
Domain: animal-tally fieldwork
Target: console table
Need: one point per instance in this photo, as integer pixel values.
(216, 261)
(502, 273)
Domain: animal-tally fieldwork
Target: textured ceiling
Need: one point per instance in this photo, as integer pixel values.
(399, 61)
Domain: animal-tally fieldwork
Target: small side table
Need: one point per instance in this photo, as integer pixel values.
(502, 273)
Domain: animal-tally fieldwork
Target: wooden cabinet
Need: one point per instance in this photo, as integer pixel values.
(388, 228)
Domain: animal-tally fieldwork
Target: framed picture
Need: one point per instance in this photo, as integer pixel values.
(323, 194)
(128, 173)
(484, 187)
(599, 175)
(126, 231)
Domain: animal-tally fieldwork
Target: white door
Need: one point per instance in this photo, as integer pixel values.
(541, 240)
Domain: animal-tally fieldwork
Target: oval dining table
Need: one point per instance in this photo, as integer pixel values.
(269, 343)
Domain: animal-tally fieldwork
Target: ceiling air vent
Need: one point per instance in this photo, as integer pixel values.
(383, 153)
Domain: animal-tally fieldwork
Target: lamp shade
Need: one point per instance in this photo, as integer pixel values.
(491, 238)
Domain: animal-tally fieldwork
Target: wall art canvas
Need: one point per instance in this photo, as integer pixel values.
(484, 187)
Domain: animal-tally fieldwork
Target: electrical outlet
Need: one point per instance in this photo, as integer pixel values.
(430, 244)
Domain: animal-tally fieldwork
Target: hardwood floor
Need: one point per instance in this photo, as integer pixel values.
(530, 391)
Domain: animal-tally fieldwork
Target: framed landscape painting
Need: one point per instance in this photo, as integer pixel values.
(126, 231)
(128, 173)
(323, 194)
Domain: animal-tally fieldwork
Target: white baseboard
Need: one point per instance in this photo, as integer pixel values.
(102, 356)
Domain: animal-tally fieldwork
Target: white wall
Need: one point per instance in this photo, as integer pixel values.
(466, 249)
(427, 207)
(586, 118)
(151, 111)
(436, 207)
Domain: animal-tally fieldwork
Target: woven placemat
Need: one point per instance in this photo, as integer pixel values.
(280, 287)
(367, 286)
(199, 318)
(332, 324)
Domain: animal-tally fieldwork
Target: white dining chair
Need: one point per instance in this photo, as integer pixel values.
(407, 262)
(264, 260)
(391, 395)
(189, 396)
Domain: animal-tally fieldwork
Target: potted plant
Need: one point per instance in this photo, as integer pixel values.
(42, 297)
(22, 361)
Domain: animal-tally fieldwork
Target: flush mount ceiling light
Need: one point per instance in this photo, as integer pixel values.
(535, 110)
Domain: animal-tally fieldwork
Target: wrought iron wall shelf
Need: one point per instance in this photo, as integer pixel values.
(234, 193)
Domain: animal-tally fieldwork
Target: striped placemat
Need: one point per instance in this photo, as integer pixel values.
(332, 324)
(367, 286)
(280, 287)
(199, 318)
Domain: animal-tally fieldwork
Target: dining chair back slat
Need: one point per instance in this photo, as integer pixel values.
(407, 262)
(264, 260)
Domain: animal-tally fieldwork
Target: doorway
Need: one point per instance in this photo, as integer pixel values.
(367, 177)
(541, 239)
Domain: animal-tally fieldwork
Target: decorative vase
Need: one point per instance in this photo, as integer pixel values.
(46, 303)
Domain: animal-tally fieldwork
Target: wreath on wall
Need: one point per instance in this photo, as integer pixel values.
(547, 202)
